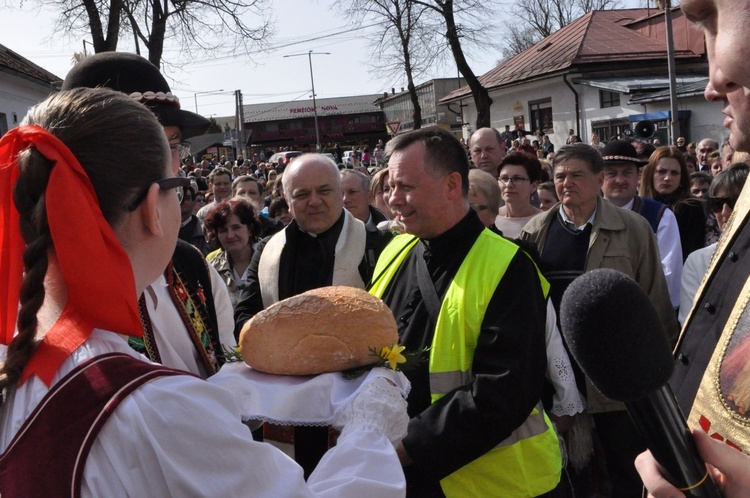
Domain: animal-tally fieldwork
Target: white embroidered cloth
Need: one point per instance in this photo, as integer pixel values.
(297, 400)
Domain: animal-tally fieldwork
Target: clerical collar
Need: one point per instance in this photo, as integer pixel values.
(448, 240)
(569, 223)
(334, 231)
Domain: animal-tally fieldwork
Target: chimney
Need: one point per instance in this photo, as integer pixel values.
(385, 94)
(393, 91)
(402, 89)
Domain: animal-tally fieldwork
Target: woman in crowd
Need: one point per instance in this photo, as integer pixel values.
(722, 195)
(234, 225)
(547, 195)
(380, 191)
(595, 142)
(484, 197)
(665, 178)
(113, 423)
(715, 163)
(279, 211)
(518, 178)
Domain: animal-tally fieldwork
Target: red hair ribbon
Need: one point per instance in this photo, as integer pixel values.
(97, 271)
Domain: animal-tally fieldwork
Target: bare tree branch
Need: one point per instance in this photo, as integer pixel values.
(544, 17)
(217, 26)
(406, 42)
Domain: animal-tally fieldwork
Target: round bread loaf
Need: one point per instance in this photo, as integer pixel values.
(323, 330)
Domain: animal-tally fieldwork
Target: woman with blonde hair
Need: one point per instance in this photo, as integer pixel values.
(380, 191)
(484, 197)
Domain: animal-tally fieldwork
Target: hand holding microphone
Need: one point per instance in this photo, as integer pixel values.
(730, 469)
(614, 333)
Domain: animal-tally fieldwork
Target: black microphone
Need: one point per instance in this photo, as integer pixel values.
(613, 332)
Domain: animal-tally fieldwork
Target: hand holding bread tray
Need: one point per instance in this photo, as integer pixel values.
(294, 353)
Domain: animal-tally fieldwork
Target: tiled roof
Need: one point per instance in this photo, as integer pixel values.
(304, 109)
(596, 37)
(11, 60)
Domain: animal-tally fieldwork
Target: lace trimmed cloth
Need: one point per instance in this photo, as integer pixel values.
(566, 400)
(372, 402)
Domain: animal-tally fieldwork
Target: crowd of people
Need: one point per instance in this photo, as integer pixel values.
(470, 244)
(622, 204)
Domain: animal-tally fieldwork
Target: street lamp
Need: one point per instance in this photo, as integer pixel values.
(195, 96)
(312, 82)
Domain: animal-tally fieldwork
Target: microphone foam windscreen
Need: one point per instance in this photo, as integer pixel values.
(613, 332)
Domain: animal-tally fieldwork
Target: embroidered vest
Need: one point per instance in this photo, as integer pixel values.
(189, 284)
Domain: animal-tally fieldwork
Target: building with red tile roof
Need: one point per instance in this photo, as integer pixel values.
(592, 75)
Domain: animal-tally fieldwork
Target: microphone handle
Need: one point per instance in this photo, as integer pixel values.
(662, 425)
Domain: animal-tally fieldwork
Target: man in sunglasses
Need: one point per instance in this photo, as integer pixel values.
(187, 314)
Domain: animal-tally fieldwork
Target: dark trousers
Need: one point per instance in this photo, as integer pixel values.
(622, 443)
(310, 444)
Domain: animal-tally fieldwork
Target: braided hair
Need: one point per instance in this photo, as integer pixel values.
(121, 147)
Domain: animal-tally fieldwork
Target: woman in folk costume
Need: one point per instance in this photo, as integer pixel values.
(89, 215)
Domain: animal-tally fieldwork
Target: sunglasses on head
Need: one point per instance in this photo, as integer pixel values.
(717, 203)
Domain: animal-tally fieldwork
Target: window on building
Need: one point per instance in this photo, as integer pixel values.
(3, 124)
(608, 99)
(541, 116)
(610, 129)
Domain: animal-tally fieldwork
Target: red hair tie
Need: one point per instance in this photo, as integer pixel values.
(93, 263)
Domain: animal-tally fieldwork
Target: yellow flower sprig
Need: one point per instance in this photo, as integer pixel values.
(232, 355)
(392, 357)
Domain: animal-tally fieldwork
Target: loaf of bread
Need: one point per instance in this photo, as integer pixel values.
(323, 330)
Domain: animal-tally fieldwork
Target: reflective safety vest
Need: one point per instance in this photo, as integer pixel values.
(527, 463)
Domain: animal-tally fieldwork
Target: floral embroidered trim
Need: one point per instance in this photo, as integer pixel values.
(145, 345)
(195, 317)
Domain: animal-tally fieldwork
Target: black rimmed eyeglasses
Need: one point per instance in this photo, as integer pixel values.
(173, 182)
(513, 181)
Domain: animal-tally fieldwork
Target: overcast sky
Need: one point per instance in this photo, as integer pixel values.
(269, 77)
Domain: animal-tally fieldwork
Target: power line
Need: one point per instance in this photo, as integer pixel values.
(290, 44)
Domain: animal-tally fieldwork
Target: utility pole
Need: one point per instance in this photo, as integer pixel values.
(312, 82)
(673, 122)
(239, 117)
